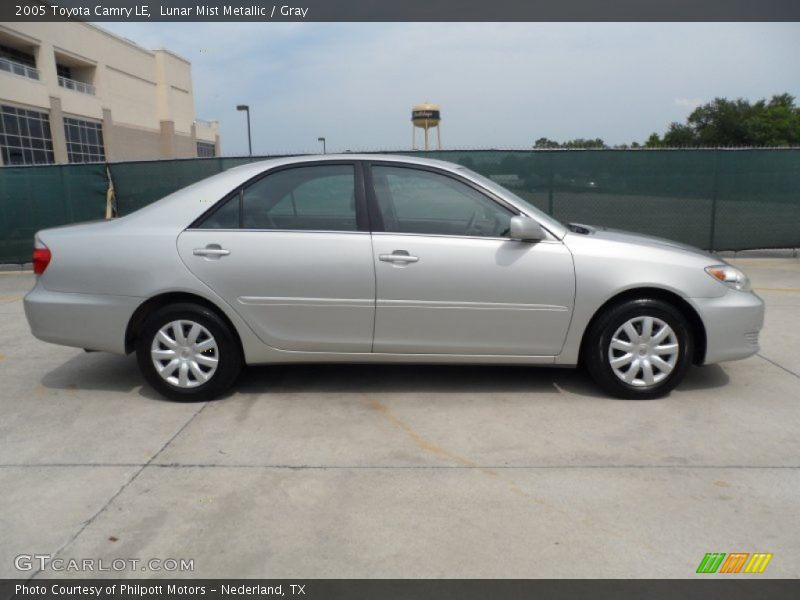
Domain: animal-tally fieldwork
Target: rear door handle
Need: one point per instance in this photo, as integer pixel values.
(400, 256)
(211, 251)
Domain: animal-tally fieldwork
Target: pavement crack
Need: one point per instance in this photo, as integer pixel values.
(772, 362)
(122, 488)
(301, 467)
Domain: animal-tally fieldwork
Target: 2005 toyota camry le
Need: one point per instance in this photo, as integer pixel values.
(368, 258)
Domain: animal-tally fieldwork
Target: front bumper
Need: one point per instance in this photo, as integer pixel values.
(91, 321)
(732, 324)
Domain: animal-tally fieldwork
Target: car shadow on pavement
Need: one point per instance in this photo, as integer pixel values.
(384, 378)
(107, 372)
(463, 379)
(99, 371)
(704, 378)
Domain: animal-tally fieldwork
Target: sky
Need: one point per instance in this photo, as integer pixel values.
(499, 85)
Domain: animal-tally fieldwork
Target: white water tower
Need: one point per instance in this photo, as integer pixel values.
(425, 116)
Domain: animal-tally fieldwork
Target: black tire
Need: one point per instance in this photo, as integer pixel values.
(600, 335)
(228, 353)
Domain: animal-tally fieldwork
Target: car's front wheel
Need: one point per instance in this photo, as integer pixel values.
(188, 353)
(639, 349)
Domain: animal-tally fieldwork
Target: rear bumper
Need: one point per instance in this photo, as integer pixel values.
(732, 323)
(95, 322)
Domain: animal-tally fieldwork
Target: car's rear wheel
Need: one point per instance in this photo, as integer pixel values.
(188, 353)
(639, 349)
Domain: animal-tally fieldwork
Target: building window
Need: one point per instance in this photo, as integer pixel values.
(84, 141)
(64, 71)
(18, 62)
(25, 137)
(206, 150)
(18, 56)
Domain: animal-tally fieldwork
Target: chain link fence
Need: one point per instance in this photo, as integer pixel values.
(713, 199)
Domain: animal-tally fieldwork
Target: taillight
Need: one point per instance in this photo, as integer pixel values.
(41, 257)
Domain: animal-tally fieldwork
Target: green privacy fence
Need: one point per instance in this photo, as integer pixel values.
(137, 184)
(33, 198)
(714, 199)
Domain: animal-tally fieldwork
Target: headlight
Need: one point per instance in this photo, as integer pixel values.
(730, 276)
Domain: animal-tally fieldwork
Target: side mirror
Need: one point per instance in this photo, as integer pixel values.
(526, 230)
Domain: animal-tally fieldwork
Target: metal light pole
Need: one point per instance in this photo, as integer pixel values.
(246, 108)
(322, 139)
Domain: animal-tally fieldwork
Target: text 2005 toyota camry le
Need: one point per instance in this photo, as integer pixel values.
(381, 259)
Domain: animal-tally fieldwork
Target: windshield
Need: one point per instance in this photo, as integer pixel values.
(555, 226)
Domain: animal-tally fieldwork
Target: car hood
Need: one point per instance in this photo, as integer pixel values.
(628, 237)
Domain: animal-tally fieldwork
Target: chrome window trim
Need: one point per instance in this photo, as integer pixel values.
(238, 230)
(382, 233)
(468, 237)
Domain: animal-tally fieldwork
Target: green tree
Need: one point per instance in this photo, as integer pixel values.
(779, 123)
(543, 142)
(577, 143)
(679, 135)
(724, 122)
(654, 141)
(585, 144)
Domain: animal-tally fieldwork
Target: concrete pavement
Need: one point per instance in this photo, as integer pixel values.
(401, 471)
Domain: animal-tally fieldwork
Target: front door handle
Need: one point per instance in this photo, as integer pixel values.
(398, 256)
(211, 251)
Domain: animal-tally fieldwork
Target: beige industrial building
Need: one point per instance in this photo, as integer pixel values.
(74, 92)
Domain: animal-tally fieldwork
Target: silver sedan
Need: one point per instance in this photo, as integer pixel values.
(367, 258)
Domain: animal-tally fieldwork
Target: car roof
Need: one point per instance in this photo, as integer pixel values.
(260, 165)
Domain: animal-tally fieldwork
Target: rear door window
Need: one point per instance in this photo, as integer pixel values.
(305, 198)
(315, 198)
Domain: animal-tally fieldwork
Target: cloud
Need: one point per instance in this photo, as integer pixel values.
(690, 103)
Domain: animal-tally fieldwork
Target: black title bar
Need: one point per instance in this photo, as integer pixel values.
(400, 10)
